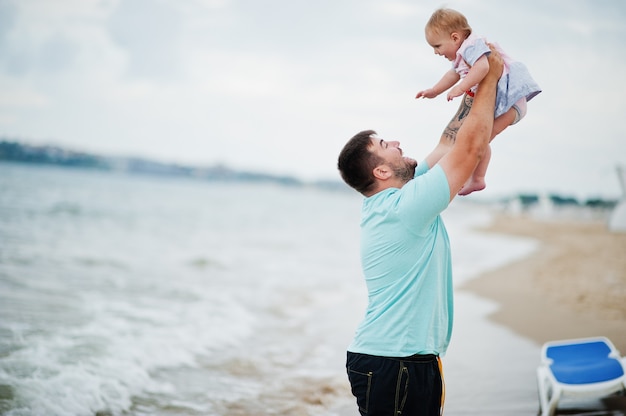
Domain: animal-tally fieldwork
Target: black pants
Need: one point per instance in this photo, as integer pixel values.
(388, 386)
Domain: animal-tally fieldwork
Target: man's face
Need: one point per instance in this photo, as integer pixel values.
(391, 153)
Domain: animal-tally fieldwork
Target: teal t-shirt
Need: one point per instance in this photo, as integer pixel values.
(405, 255)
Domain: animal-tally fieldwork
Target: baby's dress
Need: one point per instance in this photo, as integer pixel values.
(515, 83)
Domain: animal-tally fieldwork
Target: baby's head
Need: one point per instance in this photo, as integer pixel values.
(446, 21)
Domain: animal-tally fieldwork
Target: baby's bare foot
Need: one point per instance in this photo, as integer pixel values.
(472, 185)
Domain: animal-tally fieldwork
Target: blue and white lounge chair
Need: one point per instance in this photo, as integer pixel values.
(586, 367)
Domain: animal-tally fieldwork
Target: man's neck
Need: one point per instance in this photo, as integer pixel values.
(395, 183)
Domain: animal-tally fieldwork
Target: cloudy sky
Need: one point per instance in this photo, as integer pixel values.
(280, 85)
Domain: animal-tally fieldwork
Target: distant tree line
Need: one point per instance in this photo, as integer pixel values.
(52, 155)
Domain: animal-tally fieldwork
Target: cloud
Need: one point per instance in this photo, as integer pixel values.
(150, 32)
(57, 53)
(7, 20)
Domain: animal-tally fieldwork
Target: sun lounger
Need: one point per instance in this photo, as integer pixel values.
(586, 367)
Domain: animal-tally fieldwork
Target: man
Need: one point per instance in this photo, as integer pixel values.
(393, 362)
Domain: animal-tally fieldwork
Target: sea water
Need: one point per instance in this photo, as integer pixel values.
(146, 295)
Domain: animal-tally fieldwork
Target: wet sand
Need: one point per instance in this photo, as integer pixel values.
(572, 286)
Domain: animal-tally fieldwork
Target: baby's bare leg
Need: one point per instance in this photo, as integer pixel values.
(502, 122)
(476, 182)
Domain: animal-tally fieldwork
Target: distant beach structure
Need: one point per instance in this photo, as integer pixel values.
(617, 222)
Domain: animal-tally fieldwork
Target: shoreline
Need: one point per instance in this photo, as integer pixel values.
(572, 286)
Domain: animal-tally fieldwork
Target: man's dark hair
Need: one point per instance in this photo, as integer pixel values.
(356, 163)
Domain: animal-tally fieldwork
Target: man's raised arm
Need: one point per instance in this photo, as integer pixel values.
(474, 134)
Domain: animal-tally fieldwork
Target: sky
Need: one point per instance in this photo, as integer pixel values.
(279, 86)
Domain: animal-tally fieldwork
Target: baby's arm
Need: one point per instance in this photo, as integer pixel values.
(449, 79)
(475, 74)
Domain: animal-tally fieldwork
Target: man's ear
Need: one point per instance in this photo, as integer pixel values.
(382, 172)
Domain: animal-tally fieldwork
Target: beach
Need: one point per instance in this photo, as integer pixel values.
(204, 304)
(572, 286)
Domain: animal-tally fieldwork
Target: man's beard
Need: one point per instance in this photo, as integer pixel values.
(406, 171)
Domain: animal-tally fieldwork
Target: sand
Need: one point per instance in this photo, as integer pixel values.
(572, 286)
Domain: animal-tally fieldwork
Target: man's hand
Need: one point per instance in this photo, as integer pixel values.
(496, 63)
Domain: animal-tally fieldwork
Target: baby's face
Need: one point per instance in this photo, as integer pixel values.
(444, 44)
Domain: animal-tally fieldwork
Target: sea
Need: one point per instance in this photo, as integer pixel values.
(154, 295)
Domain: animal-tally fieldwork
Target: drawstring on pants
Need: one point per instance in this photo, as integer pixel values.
(443, 385)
